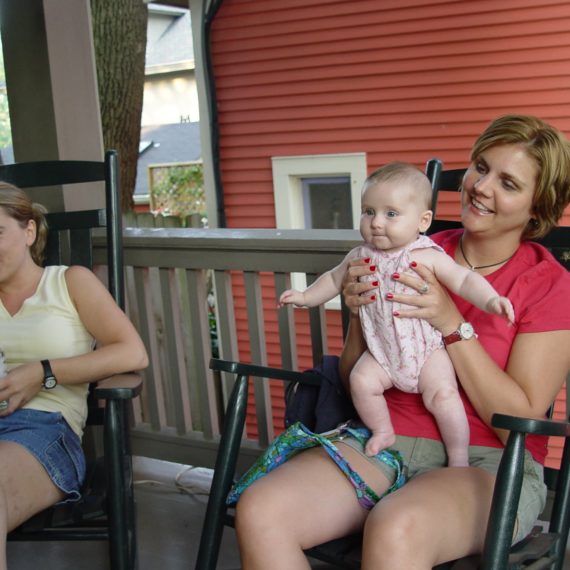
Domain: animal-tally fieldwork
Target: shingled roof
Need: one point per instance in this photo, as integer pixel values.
(160, 144)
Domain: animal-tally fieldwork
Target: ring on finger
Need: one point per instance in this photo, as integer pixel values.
(4, 405)
(423, 289)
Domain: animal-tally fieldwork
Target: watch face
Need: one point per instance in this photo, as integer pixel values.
(466, 331)
(50, 382)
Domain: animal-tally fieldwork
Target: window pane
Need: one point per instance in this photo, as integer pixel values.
(327, 203)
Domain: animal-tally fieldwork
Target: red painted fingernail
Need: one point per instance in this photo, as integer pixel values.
(413, 264)
(373, 268)
(366, 260)
(396, 313)
(389, 296)
(395, 276)
(373, 297)
(375, 283)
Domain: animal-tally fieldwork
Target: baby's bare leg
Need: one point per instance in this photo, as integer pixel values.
(368, 380)
(440, 394)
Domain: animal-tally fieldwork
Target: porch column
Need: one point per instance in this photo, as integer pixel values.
(52, 89)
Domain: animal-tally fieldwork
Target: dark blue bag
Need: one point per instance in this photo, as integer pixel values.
(320, 408)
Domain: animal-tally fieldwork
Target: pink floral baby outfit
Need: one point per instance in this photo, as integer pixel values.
(401, 346)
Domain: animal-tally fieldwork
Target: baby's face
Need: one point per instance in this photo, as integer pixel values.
(392, 216)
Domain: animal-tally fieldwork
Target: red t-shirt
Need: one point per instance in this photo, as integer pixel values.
(539, 289)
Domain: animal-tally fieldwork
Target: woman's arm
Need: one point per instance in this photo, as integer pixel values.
(352, 349)
(535, 372)
(119, 346)
(355, 294)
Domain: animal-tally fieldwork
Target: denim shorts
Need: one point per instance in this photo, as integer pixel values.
(421, 455)
(53, 443)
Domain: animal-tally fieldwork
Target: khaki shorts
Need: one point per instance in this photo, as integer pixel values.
(421, 455)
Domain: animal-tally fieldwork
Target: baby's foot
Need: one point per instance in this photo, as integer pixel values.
(378, 442)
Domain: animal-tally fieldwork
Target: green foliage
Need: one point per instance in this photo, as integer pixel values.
(5, 128)
(178, 191)
(213, 326)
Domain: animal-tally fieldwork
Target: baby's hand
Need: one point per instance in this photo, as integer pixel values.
(503, 307)
(291, 297)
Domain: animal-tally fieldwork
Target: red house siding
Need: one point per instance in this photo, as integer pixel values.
(397, 79)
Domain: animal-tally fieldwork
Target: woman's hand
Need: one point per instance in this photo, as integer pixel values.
(20, 385)
(433, 303)
(355, 292)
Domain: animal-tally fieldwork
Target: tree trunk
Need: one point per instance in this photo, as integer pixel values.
(119, 35)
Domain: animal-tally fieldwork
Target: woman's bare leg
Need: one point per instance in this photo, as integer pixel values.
(437, 516)
(25, 489)
(304, 502)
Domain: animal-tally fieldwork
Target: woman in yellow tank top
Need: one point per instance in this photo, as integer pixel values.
(50, 321)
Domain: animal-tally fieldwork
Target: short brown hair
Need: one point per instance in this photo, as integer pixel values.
(550, 150)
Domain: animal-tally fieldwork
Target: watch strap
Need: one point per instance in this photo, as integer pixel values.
(48, 375)
(464, 332)
(451, 338)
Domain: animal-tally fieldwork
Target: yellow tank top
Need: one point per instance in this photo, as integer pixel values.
(47, 326)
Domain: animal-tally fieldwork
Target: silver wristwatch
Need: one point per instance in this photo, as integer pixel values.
(49, 381)
(465, 331)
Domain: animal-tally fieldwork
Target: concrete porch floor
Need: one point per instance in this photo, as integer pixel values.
(169, 527)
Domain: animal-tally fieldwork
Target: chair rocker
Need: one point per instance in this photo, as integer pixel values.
(542, 549)
(106, 510)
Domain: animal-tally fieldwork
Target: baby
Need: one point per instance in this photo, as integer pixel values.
(406, 353)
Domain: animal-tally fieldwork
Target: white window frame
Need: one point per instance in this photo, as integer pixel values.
(289, 170)
(287, 190)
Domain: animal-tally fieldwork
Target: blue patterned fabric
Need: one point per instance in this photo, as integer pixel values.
(296, 438)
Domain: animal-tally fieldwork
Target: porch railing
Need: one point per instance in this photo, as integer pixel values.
(174, 277)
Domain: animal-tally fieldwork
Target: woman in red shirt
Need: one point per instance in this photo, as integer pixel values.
(515, 189)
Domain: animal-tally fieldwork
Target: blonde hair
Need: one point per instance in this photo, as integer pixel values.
(550, 150)
(404, 172)
(17, 205)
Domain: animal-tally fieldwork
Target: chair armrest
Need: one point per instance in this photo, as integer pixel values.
(508, 484)
(265, 372)
(119, 387)
(531, 426)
